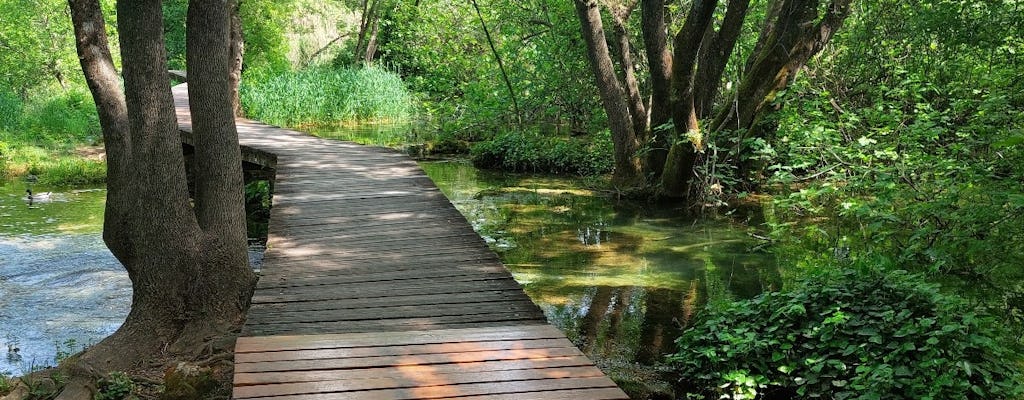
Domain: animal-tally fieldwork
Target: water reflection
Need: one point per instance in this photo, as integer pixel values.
(622, 280)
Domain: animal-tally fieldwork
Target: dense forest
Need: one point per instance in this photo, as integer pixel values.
(881, 140)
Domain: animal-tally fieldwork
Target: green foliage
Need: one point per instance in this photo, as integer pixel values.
(905, 144)
(36, 45)
(439, 47)
(263, 25)
(115, 386)
(175, 14)
(324, 96)
(65, 118)
(6, 383)
(853, 334)
(530, 152)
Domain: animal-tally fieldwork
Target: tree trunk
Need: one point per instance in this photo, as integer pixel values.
(628, 172)
(219, 201)
(659, 61)
(714, 55)
(624, 51)
(366, 24)
(675, 180)
(237, 51)
(188, 284)
(790, 38)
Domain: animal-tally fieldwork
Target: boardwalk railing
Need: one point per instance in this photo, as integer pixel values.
(375, 287)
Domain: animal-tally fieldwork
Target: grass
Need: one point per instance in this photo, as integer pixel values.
(328, 96)
(40, 135)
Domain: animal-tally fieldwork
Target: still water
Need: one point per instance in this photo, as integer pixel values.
(622, 280)
(60, 288)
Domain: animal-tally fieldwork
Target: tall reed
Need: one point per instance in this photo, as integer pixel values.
(326, 96)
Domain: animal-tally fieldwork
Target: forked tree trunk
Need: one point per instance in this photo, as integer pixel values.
(659, 62)
(189, 273)
(682, 156)
(624, 51)
(624, 137)
(717, 46)
(792, 34)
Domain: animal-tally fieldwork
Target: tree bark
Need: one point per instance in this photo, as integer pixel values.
(219, 201)
(787, 42)
(634, 100)
(237, 52)
(714, 55)
(675, 179)
(659, 62)
(628, 172)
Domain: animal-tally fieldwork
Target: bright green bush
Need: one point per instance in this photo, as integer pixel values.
(324, 96)
(849, 335)
(531, 152)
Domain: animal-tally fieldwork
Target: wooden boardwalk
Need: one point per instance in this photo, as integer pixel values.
(375, 287)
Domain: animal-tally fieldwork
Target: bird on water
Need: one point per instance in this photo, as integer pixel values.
(37, 196)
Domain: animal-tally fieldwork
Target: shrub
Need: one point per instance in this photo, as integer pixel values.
(116, 386)
(854, 334)
(531, 152)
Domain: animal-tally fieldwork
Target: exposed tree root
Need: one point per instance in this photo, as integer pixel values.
(201, 371)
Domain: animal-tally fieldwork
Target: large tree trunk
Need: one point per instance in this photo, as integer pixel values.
(659, 61)
(628, 172)
(714, 54)
(624, 51)
(675, 180)
(188, 283)
(792, 34)
(219, 201)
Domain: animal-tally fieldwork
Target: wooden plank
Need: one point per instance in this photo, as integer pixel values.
(427, 300)
(340, 293)
(383, 349)
(257, 378)
(406, 380)
(573, 394)
(399, 323)
(309, 342)
(522, 388)
(397, 361)
(386, 275)
(381, 314)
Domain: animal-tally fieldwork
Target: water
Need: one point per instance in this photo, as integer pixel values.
(621, 280)
(60, 288)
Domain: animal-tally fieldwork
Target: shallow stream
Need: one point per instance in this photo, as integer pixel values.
(621, 280)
